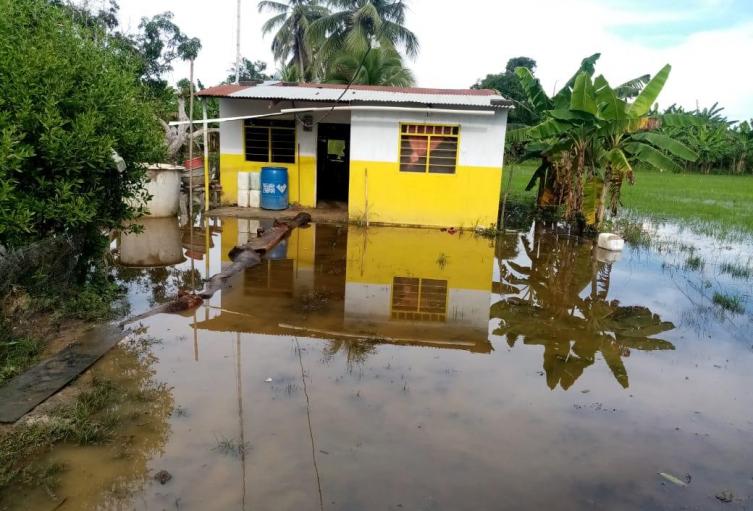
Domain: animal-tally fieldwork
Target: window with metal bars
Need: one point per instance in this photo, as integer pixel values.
(269, 141)
(429, 148)
(419, 299)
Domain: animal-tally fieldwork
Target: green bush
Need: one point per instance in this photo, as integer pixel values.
(69, 96)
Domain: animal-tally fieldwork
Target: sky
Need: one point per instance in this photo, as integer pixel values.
(709, 43)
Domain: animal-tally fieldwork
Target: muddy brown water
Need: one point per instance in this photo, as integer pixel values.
(413, 369)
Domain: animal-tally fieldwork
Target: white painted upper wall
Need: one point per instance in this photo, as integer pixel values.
(375, 135)
(231, 132)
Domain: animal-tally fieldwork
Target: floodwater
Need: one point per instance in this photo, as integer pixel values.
(392, 368)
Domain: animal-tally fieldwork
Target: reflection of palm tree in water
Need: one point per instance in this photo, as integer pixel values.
(544, 304)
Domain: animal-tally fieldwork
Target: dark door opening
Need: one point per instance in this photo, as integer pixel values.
(333, 163)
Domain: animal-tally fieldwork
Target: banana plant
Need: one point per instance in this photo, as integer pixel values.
(591, 131)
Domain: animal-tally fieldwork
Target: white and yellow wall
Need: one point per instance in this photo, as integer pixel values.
(378, 190)
(469, 197)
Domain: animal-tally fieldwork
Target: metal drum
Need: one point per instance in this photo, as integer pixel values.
(274, 188)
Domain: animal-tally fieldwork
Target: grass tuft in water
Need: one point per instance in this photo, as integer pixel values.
(232, 447)
(90, 419)
(694, 263)
(737, 271)
(731, 303)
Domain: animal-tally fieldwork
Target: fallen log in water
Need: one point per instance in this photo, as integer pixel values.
(243, 257)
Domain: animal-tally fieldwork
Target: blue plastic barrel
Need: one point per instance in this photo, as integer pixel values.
(274, 188)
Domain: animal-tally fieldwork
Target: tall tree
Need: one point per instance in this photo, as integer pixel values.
(249, 71)
(382, 66)
(357, 24)
(290, 23)
(508, 85)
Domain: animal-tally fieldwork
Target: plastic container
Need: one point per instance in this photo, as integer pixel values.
(254, 181)
(196, 163)
(163, 186)
(243, 198)
(243, 181)
(254, 198)
(274, 188)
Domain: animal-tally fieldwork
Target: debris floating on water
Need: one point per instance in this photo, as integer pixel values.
(163, 476)
(672, 479)
(725, 496)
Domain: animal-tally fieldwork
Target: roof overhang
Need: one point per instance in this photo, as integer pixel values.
(361, 94)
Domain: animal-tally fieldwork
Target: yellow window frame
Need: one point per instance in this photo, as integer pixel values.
(454, 133)
(269, 144)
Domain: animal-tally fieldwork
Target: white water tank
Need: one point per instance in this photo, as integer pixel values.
(164, 187)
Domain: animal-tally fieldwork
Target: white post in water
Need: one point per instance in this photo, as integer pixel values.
(238, 44)
(190, 144)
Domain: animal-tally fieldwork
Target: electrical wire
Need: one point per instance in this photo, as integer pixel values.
(347, 88)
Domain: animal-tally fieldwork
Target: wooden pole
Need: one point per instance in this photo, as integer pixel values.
(190, 145)
(206, 155)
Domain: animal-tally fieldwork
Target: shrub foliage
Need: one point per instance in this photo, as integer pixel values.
(70, 96)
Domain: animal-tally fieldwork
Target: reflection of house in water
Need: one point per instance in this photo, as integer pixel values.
(407, 286)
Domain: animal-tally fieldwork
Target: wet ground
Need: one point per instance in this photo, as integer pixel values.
(416, 369)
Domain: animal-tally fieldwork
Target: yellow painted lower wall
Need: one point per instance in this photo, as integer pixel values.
(468, 198)
(302, 184)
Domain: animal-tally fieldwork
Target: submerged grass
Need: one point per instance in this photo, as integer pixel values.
(737, 271)
(694, 263)
(89, 420)
(728, 302)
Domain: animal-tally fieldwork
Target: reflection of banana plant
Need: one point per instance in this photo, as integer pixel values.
(560, 302)
(356, 350)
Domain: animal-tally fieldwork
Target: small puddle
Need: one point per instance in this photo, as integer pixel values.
(395, 368)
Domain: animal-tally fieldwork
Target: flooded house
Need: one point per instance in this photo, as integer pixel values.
(390, 155)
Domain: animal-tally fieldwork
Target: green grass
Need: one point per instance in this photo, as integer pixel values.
(16, 352)
(711, 204)
(704, 201)
(731, 303)
(90, 419)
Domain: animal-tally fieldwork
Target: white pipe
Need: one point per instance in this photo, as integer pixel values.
(388, 109)
(344, 108)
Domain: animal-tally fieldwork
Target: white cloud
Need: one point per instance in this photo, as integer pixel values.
(465, 41)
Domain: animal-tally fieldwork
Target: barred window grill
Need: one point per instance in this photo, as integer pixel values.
(269, 141)
(419, 299)
(429, 148)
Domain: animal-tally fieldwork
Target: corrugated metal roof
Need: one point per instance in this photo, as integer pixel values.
(362, 94)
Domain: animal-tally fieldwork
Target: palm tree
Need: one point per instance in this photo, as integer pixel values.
(291, 23)
(382, 66)
(356, 23)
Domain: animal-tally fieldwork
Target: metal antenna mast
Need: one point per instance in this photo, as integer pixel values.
(238, 44)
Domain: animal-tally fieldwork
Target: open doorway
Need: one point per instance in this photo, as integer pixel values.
(333, 165)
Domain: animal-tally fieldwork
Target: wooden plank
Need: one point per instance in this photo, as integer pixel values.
(24, 392)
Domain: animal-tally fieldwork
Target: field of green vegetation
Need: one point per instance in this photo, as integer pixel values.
(706, 202)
